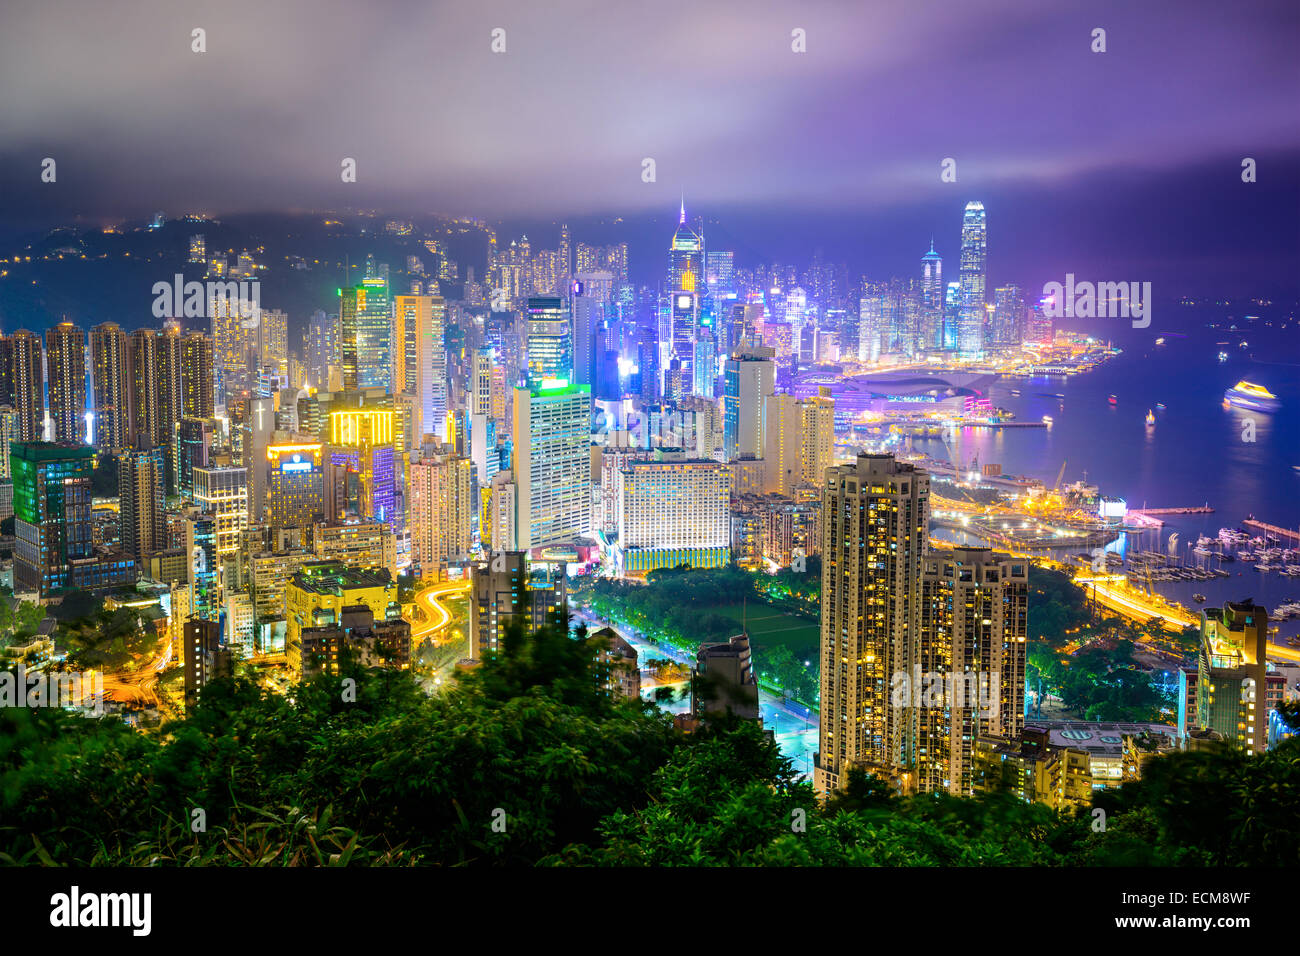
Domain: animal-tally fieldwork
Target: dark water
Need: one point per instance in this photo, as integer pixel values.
(1194, 454)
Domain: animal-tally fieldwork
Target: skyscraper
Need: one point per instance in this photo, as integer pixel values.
(552, 466)
(932, 294)
(29, 385)
(750, 377)
(110, 388)
(365, 335)
(1007, 330)
(52, 520)
(442, 506)
(141, 489)
(199, 399)
(550, 341)
(875, 516)
(65, 345)
(974, 254)
(973, 618)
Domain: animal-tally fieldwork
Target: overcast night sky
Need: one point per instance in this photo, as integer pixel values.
(1124, 164)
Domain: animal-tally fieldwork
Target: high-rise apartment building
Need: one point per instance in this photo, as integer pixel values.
(28, 378)
(507, 588)
(110, 388)
(442, 505)
(65, 347)
(875, 516)
(968, 676)
(141, 484)
(750, 378)
(199, 400)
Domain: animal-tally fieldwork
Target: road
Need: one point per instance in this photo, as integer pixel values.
(436, 616)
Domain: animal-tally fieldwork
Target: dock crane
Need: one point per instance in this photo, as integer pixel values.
(1059, 475)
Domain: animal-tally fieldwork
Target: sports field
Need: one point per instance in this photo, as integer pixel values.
(769, 628)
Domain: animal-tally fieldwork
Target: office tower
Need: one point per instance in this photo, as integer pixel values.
(816, 436)
(506, 589)
(592, 297)
(194, 440)
(672, 512)
(1006, 330)
(29, 385)
(1231, 674)
(442, 511)
(974, 253)
(552, 467)
(295, 490)
(198, 251)
(550, 341)
(357, 544)
(223, 493)
(199, 400)
(724, 680)
(968, 676)
(719, 271)
(704, 363)
(273, 341)
(750, 378)
(686, 255)
(65, 347)
(365, 335)
(363, 440)
(952, 312)
(1040, 325)
(875, 514)
(141, 489)
(480, 397)
(52, 519)
(321, 350)
(430, 373)
(110, 388)
(932, 295)
(201, 546)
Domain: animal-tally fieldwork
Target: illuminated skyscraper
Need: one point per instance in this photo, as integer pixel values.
(223, 493)
(295, 491)
(363, 440)
(672, 511)
(29, 385)
(52, 520)
(974, 254)
(365, 335)
(750, 378)
(273, 341)
(552, 467)
(932, 295)
(110, 388)
(196, 376)
(442, 504)
(322, 350)
(973, 618)
(1007, 330)
(141, 489)
(421, 368)
(550, 341)
(875, 517)
(234, 342)
(65, 346)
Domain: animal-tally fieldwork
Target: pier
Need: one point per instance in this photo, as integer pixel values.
(1282, 534)
(1204, 509)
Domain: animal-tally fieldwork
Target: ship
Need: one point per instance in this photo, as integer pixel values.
(1113, 400)
(1251, 396)
(1198, 598)
(1151, 417)
(1047, 419)
(1160, 405)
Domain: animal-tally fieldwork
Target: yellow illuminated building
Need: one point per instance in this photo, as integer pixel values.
(317, 594)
